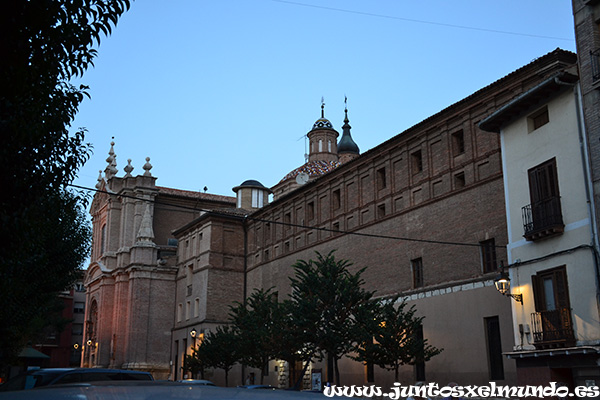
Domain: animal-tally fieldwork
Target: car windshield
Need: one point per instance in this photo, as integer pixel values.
(30, 380)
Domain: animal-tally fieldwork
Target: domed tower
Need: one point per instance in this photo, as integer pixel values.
(347, 149)
(322, 139)
(252, 195)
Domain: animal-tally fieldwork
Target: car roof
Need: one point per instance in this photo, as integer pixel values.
(149, 390)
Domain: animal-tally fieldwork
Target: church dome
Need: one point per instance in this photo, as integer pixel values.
(347, 145)
(322, 123)
(313, 169)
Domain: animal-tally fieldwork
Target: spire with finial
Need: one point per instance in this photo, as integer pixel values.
(347, 148)
(111, 168)
(322, 107)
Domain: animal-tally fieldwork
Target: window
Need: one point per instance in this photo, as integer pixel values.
(552, 322)
(310, 210)
(320, 145)
(188, 309)
(417, 271)
(189, 274)
(78, 307)
(257, 198)
(494, 348)
(287, 220)
(543, 217)
(179, 312)
(459, 180)
(329, 146)
(267, 255)
(79, 287)
(381, 181)
(196, 307)
(337, 201)
(381, 211)
(458, 143)
(103, 240)
(488, 255)
(417, 161)
(538, 119)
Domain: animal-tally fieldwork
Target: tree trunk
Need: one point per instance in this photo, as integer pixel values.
(330, 374)
(226, 378)
(396, 367)
(337, 371)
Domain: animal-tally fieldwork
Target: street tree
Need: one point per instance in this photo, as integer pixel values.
(220, 349)
(255, 322)
(394, 338)
(44, 236)
(328, 302)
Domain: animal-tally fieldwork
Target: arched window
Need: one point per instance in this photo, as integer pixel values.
(320, 145)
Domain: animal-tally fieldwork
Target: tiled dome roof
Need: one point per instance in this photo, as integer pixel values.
(313, 169)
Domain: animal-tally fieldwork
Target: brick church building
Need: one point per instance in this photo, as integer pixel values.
(424, 212)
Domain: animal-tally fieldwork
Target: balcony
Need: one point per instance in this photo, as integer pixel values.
(542, 219)
(552, 328)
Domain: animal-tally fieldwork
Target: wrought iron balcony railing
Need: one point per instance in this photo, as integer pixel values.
(553, 328)
(542, 219)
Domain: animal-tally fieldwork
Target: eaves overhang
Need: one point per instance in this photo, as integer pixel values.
(528, 101)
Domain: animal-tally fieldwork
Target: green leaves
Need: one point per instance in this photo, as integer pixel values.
(44, 234)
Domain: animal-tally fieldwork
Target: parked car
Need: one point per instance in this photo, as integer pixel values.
(147, 390)
(201, 382)
(56, 376)
(267, 387)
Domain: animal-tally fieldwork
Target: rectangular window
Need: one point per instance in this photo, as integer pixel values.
(267, 255)
(488, 255)
(336, 198)
(196, 307)
(459, 180)
(543, 216)
(458, 143)
(287, 220)
(381, 211)
(417, 162)
(257, 198)
(78, 307)
(417, 272)
(538, 119)
(552, 321)
(188, 309)
(494, 348)
(179, 312)
(310, 210)
(381, 179)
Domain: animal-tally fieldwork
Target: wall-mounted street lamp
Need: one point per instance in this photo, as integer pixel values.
(193, 333)
(76, 346)
(503, 285)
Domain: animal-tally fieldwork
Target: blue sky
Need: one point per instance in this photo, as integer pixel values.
(218, 92)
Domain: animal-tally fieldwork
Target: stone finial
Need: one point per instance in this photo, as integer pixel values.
(128, 168)
(147, 167)
(99, 183)
(146, 233)
(111, 153)
(112, 168)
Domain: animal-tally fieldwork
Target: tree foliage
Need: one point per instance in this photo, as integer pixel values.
(394, 338)
(329, 304)
(220, 349)
(255, 322)
(44, 236)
